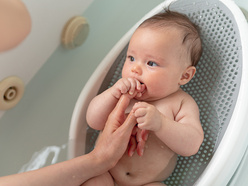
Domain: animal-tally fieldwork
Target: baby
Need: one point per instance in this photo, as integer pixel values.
(161, 56)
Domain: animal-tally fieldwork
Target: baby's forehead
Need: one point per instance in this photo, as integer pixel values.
(177, 40)
(169, 34)
(169, 45)
(164, 29)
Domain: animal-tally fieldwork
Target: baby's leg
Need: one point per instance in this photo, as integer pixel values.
(155, 184)
(104, 180)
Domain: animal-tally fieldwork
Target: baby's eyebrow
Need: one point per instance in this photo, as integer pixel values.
(156, 58)
(148, 56)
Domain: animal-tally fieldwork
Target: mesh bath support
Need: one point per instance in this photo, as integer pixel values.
(219, 87)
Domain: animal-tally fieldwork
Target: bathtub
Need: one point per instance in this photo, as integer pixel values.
(37, 128)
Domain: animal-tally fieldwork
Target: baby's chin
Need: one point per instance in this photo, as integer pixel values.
(139, 98)
(144, 97)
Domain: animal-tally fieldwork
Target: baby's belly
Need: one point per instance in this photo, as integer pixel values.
(157, 163)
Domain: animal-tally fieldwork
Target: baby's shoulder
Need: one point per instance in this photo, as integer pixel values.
(179, 96)
(187, 104)
(177, 101)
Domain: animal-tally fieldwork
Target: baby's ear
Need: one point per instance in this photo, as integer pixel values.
(187, 75)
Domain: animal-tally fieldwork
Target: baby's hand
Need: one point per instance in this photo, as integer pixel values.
(148, 116)
(128, 85)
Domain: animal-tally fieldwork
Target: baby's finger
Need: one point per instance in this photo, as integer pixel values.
(139, 105)
(142, 124)
(140, 112)
(132, 86)
(125, 86)
(138, 85)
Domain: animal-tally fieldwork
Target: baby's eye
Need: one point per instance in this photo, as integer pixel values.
(152, 64)
(131, 58)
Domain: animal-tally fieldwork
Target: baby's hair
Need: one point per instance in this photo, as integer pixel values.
(191, 32)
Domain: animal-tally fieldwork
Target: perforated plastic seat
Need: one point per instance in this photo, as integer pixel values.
(219, 87)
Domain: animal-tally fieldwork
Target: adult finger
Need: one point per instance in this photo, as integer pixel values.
(141, 137)
(141, 148)
(132, 145)
(116, 134)
(144, 134)
(117, 116)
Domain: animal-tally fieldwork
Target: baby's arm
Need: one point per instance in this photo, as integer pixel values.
(101, 106)
(183, 135)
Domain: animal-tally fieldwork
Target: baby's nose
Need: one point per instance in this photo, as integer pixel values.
(137, 69)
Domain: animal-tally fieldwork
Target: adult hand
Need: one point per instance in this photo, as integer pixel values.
(115, 137)
(109, 149)
(137, 141)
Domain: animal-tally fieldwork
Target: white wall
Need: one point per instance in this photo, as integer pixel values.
(48, 20)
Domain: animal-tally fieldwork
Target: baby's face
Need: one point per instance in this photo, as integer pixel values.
(156, 58)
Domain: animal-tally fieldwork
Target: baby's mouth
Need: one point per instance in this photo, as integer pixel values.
(143, 87)
(142, 84)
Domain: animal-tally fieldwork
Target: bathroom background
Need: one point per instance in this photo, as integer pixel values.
(35, 132)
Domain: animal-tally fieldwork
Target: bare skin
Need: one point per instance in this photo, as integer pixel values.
(140, 170)
(76, 171)
(152, 76)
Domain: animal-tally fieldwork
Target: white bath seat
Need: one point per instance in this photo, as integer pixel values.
(220, 88)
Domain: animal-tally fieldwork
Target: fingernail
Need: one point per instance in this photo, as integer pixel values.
(131, 93)
(131, 153)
